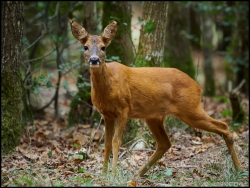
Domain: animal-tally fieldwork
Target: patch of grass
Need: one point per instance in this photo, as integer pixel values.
(31, 179)
(222, 173)
(121, 178)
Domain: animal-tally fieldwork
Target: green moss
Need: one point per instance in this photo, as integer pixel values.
(122, 42)
(182, 63)
(149, 27)
(11, 109)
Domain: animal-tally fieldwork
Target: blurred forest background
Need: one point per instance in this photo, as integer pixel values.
(43, 73)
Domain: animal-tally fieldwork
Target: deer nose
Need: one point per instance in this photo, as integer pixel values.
(94, 60)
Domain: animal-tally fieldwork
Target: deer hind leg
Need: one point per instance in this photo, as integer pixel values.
(199, 119)
(109, 132)
(163, 143)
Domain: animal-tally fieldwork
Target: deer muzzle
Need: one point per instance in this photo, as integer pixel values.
(94, 61)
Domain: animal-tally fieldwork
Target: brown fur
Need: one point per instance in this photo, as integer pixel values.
(120, 92)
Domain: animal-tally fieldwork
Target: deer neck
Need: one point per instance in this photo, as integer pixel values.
(100, 78)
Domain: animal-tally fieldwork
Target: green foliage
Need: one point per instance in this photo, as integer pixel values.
(168, 172)
(85, 181)
(82, 170)
(141, 63)
(40, 81)
(149, 27)
(49, 153)
(28, 181)
(222, 99)
(76, 145)
(113, 58)
(172, 121)
(130, 131)
(83, 99)
(226, 113)
(78, 156)
(58, 185)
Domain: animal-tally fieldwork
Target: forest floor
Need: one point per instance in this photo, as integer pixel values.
(52, 154)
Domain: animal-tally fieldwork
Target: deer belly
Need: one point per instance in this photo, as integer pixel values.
(146, 110)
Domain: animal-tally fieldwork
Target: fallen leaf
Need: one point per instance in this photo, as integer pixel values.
(79, 138)
(68, 172)
(32, 156)
(200, 151)
(60, 168)
(196, 143)
(132, 184)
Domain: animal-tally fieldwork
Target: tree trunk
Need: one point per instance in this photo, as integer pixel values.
(11, 91)
(151, 45)
(81, 105)
(152, 34)
(177, 49)
(195, 30)
(207, 47)
(242, 48)
(121, 46)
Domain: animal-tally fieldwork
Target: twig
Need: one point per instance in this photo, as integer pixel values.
(235, 90)
(56, 11)
(197, 72)
(47, 104)
(183, 166)
(43, 33)
(39, 57)
(94, 133)
(131, 147)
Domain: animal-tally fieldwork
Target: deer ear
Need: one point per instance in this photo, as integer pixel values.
(109, 33)
(78, 31)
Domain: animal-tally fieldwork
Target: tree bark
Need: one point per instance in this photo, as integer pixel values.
(177, 48)
(207, 47)
(151, 44)
(121, 46)
(195, 30)
(152, 34)
(11, 91)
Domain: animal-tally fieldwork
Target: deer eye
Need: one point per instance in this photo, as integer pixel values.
(103, 48)
(85, 48)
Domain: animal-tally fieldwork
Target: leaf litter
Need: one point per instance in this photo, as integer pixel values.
(51, 154)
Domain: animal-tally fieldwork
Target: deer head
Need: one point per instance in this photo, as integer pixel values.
(94, 46)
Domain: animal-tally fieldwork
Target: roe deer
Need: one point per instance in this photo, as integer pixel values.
(150, 93)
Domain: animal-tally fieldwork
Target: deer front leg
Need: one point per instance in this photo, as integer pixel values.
(117, 139)
(109, 132)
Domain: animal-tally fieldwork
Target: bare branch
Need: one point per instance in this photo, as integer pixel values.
(47, 105)
(56, 11)
(235, 90)
(43, 33)
(39, 57)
